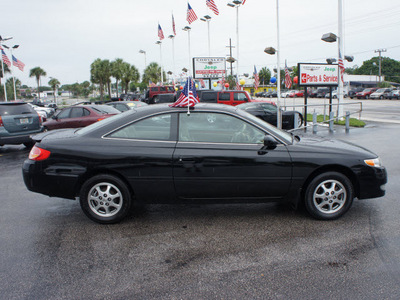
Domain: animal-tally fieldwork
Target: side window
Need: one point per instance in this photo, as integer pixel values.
(224, 96)
(154, 89)
(76, 112)
(64, 114)
(86, 112)
(210, 97)
(163, 89)
(217, 128)
(152, 128)
(239, 97)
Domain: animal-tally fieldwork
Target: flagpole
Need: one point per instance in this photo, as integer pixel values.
(12, 74)
(4, 80)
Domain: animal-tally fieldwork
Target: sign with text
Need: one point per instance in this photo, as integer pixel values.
(209, 67)
(318, 74)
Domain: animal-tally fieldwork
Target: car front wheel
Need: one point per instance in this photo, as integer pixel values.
(105, 199)
(329, 196)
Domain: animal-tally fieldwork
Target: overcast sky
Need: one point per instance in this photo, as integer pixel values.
(65, 36)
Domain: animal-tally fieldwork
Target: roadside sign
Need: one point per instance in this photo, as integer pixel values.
(318, 74)
(209, 67)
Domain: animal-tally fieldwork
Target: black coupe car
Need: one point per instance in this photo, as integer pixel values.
(268, 111)
(215, 153)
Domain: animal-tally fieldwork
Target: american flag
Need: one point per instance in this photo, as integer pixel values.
(191, 15)
(188, 97)
(223, 82)
(5, 58)
(151, 83)
(238, 87)
(288, 80)
(211, 5)
(19, 64)
(160, 33)
(341, 66)
(173, 25)
(256, 79)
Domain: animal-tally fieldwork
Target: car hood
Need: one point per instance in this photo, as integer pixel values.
(334, 146)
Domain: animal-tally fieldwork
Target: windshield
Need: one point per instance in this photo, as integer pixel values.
(380, 91)
(367, 90)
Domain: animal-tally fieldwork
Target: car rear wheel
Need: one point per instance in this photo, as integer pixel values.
(329, 196)
(381, 97)
(105, 199)
(367, 96)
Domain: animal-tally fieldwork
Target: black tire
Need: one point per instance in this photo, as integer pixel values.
(366, 96)
(329, 196)
(381, 97)
(110, 207)
(155, 100)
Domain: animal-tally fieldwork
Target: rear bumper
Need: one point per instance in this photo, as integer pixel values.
(18, 138)
(56, 181)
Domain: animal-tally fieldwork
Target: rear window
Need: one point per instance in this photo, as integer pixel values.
(105, 109)
(15, 109)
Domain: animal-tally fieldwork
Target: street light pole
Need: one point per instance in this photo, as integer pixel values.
(172, 37)
(207, 19)
(188, 28)
(236, 4)
(278, 100)
(2, 68)
(144, 52)
(161, 67)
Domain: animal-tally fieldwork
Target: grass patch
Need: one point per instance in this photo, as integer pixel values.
(353, 121)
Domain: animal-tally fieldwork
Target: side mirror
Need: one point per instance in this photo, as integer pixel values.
(269, 142)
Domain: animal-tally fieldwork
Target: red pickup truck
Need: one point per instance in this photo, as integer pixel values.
(226, 97)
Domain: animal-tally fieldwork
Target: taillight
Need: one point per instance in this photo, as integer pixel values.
(1, 122)
(40, 118)
(102, 118)
(38, 154)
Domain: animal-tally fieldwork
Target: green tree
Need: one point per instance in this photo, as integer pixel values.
(117, 70)
(153, 73)
(100, 73)
(264, 75)
(390, 68)
(130, 74)
(10, 87)
(54, 84)
(37, 72)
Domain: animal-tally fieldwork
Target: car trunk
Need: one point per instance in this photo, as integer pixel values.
(18, 123)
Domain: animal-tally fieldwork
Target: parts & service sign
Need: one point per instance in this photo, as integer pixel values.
(318, 74)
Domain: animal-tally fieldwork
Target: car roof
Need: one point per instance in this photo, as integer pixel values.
(13, 103)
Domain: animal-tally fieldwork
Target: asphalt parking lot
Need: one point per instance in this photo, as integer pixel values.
(50, 250)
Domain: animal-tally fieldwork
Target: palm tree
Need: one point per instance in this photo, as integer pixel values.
(100, 73)
(117, 70)
(6, 70)
(129, 73)
(54, 84)
(153, 73)
(265, 75)
(37, 72)
(10, 87)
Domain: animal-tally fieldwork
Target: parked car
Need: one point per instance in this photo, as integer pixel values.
(365, 93)
(311, 93)
(285, 94)
(267, 111)
(126, 105)
(79, 116)
(217, 154)
(230, 97)
(322, 91)
(394, 95)
(18, 121)
(334, 94)
(271, 94)
(153, 92)
(380, 93)
(45, 112)
(353, 92)
(295, 93)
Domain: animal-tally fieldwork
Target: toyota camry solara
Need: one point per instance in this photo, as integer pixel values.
(214, 154)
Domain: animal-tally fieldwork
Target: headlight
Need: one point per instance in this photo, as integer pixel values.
(376, 162)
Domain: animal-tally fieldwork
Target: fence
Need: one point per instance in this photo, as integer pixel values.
(351, 108)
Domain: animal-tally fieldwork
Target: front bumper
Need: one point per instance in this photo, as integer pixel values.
(372, 183)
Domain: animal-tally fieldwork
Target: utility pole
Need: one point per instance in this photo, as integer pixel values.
(380, 59)
(230, 54)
